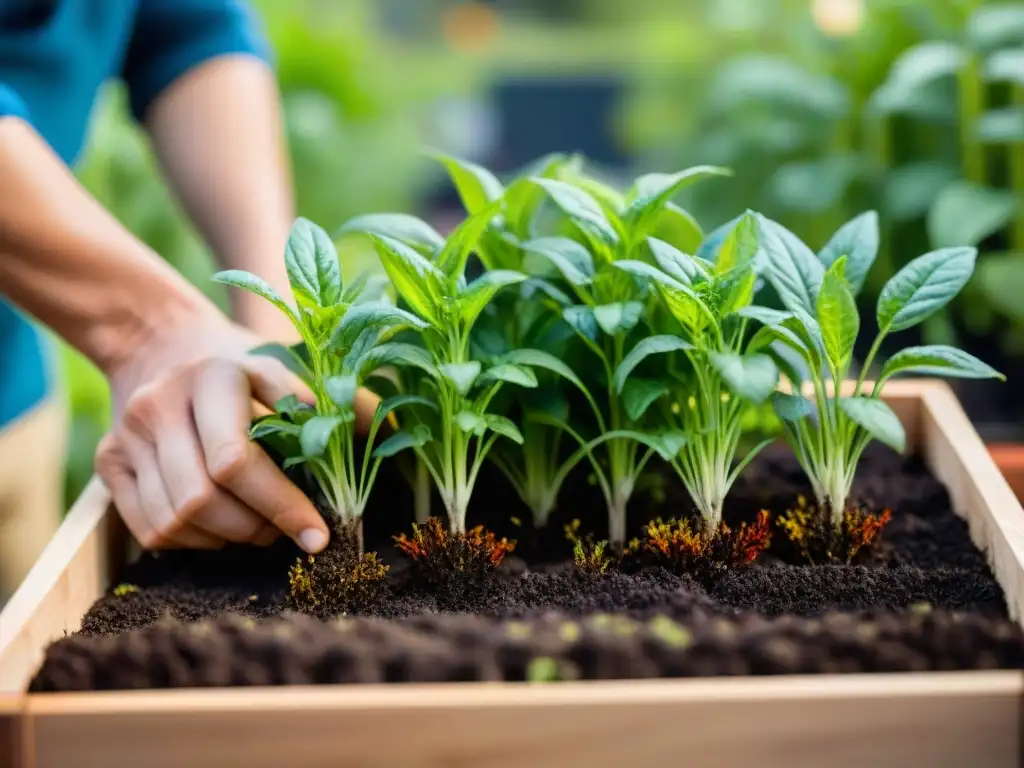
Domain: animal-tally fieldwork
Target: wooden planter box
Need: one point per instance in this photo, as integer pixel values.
(920, 719)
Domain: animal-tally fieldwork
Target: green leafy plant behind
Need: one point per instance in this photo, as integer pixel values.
(830, 431)
(714, 378)
(344, 341)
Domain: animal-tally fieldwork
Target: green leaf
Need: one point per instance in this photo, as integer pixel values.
(273, 425)
(994, 25)
(838, 316)
(316, 433)
(581, 208)
(569, 257)
(403, 440)
(793, 269)
(504, 427)
(462, 375)
(877, 419)
(678, 265)
(312, 264)
(619, 317)
(735, 289)
(915, 69)
(765, 315)
(910, 189)
(398, 226)
(581, 319)
(478, 294)
(391, 404)
(652, 192)
(415, 279)
(1006, 66)
(639, 394)
(858, 241)
(964, 214)
(376, 315)
(923, 287)
(1001, 126)
(687, 307)
(652, 345)
(536, 358)
(751, 377)
(511, 374)
(939, 360)
(679, 229)
(477, 186)
(464, 239)
(342, 389)
(287, 356)
(791, 407)
(239, 278)
(394, 353)
(740, 246)
(470, 423)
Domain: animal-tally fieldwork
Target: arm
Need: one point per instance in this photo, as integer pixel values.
(178, 461)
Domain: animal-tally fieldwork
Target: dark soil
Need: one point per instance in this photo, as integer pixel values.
(923, 599)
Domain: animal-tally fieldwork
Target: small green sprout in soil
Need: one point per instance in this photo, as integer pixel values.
(859, 529)
(439, 555)
(830, 431)
(590, 557)
(125, 589)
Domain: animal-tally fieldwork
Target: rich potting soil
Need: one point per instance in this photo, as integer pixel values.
(922, 599)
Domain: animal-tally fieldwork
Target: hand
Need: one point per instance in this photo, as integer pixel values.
(178, 461)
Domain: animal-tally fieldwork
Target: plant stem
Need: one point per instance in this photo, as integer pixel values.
(421, 491)
(972, 104)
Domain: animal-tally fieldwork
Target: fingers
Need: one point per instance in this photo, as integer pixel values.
(269, 380)
(221, 409)
(365, 405)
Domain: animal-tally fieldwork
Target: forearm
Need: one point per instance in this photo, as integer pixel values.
(218, 134)
(70, 264)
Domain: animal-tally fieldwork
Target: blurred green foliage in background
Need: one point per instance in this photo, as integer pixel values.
(824, 108)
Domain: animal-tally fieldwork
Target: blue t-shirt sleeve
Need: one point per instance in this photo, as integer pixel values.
(171, 37)
(11, 104)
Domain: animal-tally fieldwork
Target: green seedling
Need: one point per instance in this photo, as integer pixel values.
(830, 431)
(715, 379)
(344, 341)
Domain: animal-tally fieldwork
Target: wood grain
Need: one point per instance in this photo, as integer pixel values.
(934, 720)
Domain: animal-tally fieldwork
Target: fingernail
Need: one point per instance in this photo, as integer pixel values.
(312, 540)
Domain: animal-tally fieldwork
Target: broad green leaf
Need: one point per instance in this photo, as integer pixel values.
(273, 425)
(752, 377)
(316, 433)
(504, 427)
(312, 264)
(1006, 66)
(965, 214)
(398, 226)
(463, 240)
(639, 394)
(995, 25)
(377, 315)
(478, 294)
(877, 419)
(239, 278)
(470, 423)
(523, 197)
(910, 189)
(652, 192)
(389, 405)
(687, 307)
(739, 247)
(581, 319)
(569, 257)
(1001, 126)
(403, 440)
(287, 356)
(342, 389)
(735, 289)
(712, 243)
(611, 200)
(791, 407)
(678, 265)
(765, 315)
(415, 279)
(477, 186)
(511, 374)
(619, 317)
(537, 358)
(939, 360)
(289, 405)
(923, 287)
(462, 375)
(652, 345)
(679, 229)
(645, 271)
(582, 208)
(915, 69)
(858, 241)
(793, 269)
(838, 316)
(394, 353)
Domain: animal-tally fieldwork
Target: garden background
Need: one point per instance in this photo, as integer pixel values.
(823, 108)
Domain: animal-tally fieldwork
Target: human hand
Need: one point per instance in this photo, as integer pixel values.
(178, 461)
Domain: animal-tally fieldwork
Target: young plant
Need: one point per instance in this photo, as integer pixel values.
(830, 431)
(343, 342)
(605, 227)
(720, 381)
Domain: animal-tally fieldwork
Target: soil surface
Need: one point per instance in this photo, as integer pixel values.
(922, 599)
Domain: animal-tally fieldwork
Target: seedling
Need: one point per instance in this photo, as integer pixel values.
(606, 227)
(720, 381)
(343, 342)
(830, 431)
(439, 555)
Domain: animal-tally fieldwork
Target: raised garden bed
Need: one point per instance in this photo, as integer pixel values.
(925, 717)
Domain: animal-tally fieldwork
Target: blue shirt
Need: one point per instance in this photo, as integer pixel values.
(54, 57)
